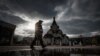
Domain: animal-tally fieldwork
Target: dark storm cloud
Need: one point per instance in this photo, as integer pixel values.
(80, 26)
(82, 16)
(7, 15)
(35, 7)
(10, 18)
(73, 16)
(3, 7)
(81, 7)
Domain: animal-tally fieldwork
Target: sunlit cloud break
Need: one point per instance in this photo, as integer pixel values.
(27, 29)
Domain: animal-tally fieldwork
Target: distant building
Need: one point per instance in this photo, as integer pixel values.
(94, 40)
(27, 40)
(6, 33)
(55, 36)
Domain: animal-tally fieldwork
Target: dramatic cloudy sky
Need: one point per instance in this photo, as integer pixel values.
(74, 17)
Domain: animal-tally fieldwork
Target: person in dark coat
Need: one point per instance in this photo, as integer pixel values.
(38, 34)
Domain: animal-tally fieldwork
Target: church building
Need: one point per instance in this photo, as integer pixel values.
(55, 36)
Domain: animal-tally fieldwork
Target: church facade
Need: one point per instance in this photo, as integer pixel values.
(55, 36)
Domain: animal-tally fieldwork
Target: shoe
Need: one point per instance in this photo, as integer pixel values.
(43, 46)
(32, 47)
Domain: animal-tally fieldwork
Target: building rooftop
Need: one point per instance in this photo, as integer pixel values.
(5, 24)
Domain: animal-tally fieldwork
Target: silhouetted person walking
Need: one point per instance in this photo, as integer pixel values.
(38, 34)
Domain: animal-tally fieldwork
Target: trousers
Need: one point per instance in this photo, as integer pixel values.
(39, 38)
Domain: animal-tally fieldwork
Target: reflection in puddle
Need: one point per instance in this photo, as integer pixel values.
(52, 52)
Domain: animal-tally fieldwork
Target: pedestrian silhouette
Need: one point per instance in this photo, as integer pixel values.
(38, 34)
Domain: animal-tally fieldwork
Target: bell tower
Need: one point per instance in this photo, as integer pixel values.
(54, 24)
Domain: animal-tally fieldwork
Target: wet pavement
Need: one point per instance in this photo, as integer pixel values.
(53, 52)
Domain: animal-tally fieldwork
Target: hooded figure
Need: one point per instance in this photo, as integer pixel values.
(38, 34)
